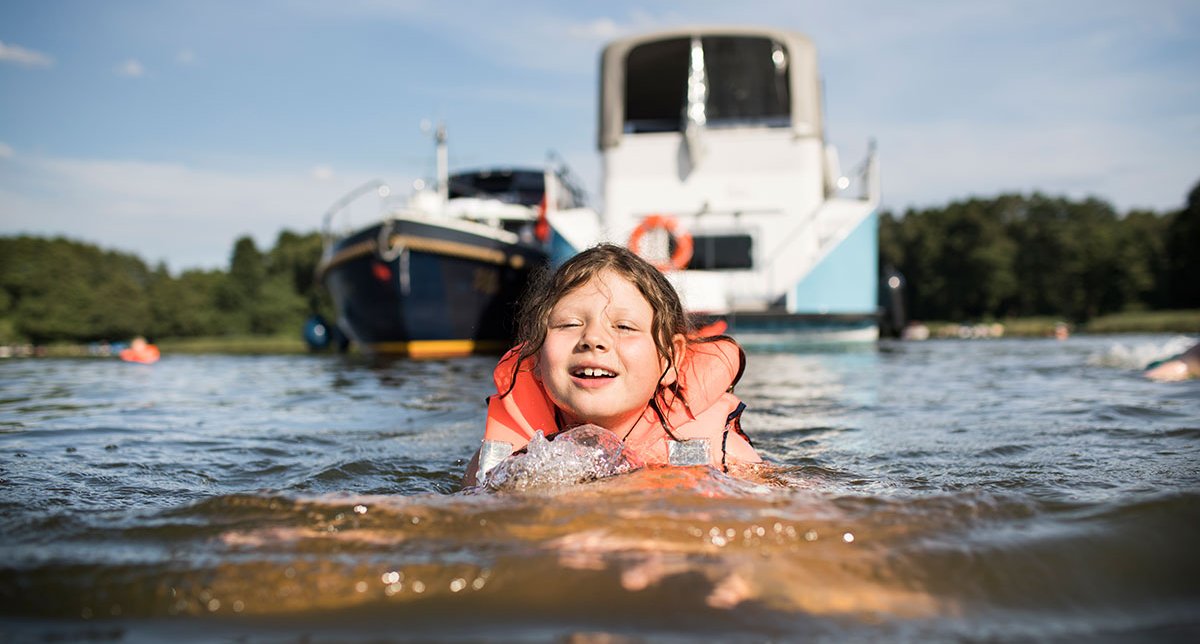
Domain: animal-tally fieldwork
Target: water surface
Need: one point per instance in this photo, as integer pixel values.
(999, 490)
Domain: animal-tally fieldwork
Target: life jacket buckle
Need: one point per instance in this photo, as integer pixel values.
(694, 451)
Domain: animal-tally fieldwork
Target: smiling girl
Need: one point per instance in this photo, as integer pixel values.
(604, 341)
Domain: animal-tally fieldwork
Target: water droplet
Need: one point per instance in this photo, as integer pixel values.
(239, 606)
(848, 537)
(213, 605)
(478, 583)
(458, 584)
(418, 587)
(390, 577)
(360, 509)
(361, 587)
(811, 535)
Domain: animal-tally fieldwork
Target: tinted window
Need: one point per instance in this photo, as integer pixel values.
(656, 86)
(747, 82)
(520, 187)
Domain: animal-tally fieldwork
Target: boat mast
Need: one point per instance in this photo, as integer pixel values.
(443, 163)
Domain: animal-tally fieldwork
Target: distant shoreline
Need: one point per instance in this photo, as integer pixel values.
(1179, 321)
(1185, 321)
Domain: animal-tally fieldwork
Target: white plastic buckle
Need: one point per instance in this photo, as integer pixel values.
(693, 451)
(491, 454)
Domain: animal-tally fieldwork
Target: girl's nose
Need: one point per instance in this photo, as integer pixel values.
(594, 338)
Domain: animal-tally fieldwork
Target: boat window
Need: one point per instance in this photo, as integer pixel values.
(523, 187)
(656, 86)
(747, 78)
(721, 252)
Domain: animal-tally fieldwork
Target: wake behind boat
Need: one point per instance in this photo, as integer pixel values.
(440, 274)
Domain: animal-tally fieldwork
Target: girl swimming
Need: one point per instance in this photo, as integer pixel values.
(604, 341)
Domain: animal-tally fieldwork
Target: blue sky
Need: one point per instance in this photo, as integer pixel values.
(169, 129)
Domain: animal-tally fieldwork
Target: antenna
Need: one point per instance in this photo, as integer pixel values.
(443, 156)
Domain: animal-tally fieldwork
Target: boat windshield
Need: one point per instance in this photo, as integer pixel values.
(747, 83)
(524, 187)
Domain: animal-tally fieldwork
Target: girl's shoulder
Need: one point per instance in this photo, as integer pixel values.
(711, 367)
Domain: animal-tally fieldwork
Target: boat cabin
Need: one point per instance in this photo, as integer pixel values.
(719, 131)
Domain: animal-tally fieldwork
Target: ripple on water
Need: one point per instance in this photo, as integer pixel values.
(935, 491)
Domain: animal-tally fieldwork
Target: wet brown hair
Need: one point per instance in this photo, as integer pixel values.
(548, 288)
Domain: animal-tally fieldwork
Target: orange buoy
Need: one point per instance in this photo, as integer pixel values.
(683, 242)
(140, 351)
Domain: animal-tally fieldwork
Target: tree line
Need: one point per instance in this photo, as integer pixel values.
(1007, 256)
(1015, 256)
(59, 290)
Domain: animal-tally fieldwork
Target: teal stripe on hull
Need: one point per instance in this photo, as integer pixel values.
(846, 281)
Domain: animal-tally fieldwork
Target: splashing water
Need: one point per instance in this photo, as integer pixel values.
(581, 454)
(1138, 355)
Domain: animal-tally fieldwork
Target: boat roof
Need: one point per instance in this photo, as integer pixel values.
(802, 71)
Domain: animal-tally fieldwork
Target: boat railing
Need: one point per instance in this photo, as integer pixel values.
(375, 185)
(867, 173)
(567, 178)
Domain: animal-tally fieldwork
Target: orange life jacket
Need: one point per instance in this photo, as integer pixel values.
(699, 407)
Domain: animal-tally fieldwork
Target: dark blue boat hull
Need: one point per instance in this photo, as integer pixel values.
(420, 289)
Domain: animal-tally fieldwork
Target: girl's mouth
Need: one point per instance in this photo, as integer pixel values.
(592, 372)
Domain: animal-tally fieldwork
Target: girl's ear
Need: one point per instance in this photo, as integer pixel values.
(678, 347)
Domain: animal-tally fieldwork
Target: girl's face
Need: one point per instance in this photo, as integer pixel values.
(599, 363)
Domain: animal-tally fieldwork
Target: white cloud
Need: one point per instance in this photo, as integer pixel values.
(21, 56)
(186, 57)
(131, 68)
(6, 151)
(322, 173)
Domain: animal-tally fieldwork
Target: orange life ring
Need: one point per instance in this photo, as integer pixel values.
(683, 242)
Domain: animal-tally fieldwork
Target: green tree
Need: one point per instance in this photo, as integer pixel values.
(1183, 263)
(238, 294)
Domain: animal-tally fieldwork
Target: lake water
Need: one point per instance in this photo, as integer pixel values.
(993, 490)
